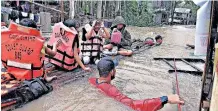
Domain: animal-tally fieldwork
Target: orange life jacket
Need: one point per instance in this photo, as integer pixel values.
(64, 57)
(92, 47)
(21, 48)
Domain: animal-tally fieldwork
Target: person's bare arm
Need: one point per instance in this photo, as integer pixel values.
(89, 34)
(51, 52)
(77, 58)
(106, 33)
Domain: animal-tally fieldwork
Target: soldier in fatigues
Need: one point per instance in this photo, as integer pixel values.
(124, 47)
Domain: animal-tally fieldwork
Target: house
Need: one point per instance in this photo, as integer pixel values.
(161, 11)
(181, 16)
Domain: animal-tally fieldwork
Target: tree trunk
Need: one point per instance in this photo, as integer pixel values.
(174, 3)
(124, 9)
(104, 12)
(99, 9)
(72, 11)
(109, 8)
(76, 7)
(117, 7)
(120, 7)
(62, 10)
(91, 8)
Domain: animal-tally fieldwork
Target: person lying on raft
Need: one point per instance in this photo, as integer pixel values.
(122, 48)
(107, 71)
(67, 57)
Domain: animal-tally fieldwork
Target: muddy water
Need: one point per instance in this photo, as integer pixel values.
(138, 77)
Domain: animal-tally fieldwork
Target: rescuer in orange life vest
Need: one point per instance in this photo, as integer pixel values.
(107, 71)
(22, 53)
(67, 57)
(45, 50)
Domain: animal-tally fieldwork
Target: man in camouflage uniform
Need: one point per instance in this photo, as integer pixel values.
(124, 47)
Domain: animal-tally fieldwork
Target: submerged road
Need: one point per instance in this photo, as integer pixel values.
(138, 76)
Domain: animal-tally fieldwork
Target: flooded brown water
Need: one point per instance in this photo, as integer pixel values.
(138, 76)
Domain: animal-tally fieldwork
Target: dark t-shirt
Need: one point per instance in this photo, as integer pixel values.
(76, 40)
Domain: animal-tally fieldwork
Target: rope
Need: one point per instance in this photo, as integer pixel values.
(177, 86)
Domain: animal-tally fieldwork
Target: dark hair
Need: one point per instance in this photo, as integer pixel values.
(71, 23)
(28, 23)
(98, 21)
(105, 65)
(158, 37)
(14, 15)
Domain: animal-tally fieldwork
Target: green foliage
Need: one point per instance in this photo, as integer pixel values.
(137, 15)
(191, 5)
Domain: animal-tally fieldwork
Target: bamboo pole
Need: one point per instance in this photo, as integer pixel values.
(47, 7)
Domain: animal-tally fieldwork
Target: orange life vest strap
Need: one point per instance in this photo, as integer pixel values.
(91, 44)
(32, 68)
(64, 56)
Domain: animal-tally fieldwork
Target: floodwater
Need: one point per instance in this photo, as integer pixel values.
(138, 76)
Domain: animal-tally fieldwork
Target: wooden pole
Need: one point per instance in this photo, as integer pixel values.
(47, 7)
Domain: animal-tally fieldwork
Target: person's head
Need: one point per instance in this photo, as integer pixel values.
(118, 23)
(14, 15)
(97, 25)
(120, 26)
(28, 23)
(71, 23)
(106, 68)
(158, 39)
